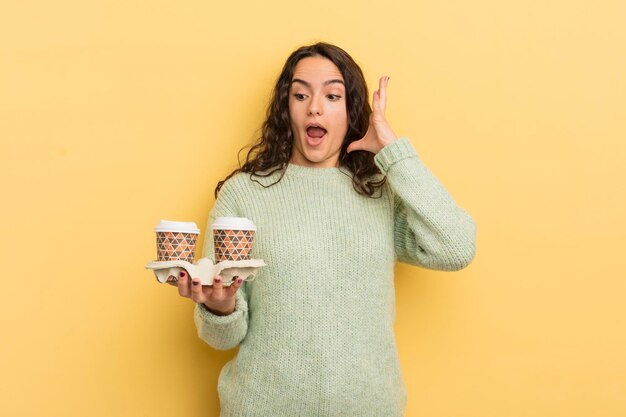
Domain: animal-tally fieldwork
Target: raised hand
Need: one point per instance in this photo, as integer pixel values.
(379, 133)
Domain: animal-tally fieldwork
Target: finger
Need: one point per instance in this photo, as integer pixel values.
(378, 111)
(197, 294)
(183, 284)
(382, 91)
(218, 288)
(232, 289)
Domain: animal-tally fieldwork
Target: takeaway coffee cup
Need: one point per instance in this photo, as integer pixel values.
(176, 241)
(232, 238)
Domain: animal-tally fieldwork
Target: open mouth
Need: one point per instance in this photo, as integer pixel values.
(315, 134)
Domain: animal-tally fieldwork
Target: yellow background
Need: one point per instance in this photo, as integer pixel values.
(114, 115)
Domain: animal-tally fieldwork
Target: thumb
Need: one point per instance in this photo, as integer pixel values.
(354, 146)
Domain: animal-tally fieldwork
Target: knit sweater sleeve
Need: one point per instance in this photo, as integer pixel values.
(222, 332)
(430, 229)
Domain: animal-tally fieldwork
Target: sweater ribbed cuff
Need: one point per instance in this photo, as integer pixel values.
(241, 308)
(394, 152)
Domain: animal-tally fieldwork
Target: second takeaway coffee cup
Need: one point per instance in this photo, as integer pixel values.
(176, 241)
(232, 237)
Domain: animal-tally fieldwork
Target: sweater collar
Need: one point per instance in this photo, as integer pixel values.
(310, 172)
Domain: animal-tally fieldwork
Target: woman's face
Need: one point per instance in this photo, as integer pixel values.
(317, 109)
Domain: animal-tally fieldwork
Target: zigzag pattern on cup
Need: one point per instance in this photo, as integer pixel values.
(172, 246)
(232, 245)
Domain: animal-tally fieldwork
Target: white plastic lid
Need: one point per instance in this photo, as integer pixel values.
(182, 227)
(233, 223)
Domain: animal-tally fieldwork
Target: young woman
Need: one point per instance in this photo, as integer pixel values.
(337, 198)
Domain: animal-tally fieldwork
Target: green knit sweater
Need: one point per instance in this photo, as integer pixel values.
(315, 328)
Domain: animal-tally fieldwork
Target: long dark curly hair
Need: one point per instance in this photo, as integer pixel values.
(272, 150)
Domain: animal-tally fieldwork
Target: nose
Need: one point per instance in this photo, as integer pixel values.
(315, 106)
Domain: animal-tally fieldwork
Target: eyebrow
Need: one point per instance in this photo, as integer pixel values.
(327, 82)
